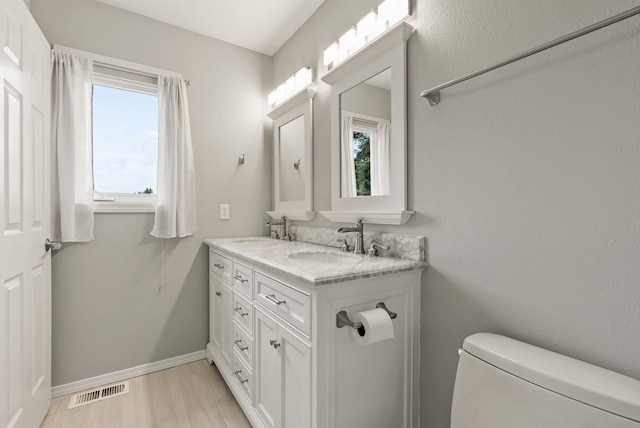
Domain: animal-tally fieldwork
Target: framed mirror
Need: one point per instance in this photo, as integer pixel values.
(293, 157)
(368, 133)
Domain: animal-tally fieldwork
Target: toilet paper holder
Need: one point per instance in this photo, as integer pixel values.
(342, 319)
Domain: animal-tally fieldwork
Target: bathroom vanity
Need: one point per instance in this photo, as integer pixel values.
(274, 336)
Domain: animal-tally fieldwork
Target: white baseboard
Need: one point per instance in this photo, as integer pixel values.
(92, 382)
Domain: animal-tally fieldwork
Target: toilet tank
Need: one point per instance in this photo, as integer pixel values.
(504, 383)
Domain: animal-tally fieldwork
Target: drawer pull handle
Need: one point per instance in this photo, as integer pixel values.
(274, 343)
(240, 279)
(219, 265)
(237, 373)
(272, 297)
(218, 293)
(239, 311)
(239, 345)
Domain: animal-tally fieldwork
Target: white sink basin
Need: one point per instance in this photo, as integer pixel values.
(324, 257)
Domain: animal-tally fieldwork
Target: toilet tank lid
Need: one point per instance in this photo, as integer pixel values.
(573, 378)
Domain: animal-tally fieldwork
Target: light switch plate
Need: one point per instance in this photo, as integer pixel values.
(224, 211)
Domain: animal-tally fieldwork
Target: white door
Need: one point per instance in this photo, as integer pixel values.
(25, 267)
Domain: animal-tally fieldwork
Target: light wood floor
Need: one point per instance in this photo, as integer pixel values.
(191, 395)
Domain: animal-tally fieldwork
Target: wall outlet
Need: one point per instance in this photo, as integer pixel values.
(224, 211)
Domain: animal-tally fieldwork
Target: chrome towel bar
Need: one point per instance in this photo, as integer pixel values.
(433, 94)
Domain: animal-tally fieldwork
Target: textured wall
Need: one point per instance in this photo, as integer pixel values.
(525, 181)
(110, 311)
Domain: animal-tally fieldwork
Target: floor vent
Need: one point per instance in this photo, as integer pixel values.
(98, 394)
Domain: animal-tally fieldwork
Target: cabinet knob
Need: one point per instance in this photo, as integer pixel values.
(218, 265)
(218, 293)
(240, 279)
(239, 345)
(274, 343)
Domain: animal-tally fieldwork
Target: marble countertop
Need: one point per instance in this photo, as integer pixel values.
(274, 255)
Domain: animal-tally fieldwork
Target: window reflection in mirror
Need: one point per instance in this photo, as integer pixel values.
(365, 137)
(292, 167)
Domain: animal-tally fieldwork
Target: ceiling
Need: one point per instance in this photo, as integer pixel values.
(260, 25)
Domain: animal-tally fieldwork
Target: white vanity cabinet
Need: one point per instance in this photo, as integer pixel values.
(282, 353)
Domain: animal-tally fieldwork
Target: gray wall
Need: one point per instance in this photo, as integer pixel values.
(110, 311)
(525, 181)
(368, 100)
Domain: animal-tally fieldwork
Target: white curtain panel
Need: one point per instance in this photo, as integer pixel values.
(71, 96)
(176, 200)
(347, 166)
(380, 160)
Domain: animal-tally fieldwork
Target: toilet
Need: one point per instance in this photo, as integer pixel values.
(504, 383)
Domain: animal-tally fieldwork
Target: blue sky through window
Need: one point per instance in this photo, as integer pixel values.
(125, 140)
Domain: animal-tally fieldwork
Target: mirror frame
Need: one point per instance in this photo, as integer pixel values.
(387, 51)
(298, 105)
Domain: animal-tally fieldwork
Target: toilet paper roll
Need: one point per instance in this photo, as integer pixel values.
(376, 326)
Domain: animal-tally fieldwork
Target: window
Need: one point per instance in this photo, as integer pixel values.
(361, 142)
(125, 141)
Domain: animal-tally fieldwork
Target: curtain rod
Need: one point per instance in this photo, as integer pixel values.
(433, 94)
(119, 64)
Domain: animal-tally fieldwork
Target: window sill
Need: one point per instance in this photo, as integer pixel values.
(110, 207)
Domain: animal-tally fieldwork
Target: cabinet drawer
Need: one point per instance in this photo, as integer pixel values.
(243, 312)
(243, 376)
(292, 305)
(243, 345)
(243, 279)
(220, 265)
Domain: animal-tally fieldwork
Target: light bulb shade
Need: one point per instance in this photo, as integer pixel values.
(330, 53)
(401, 10)
(290, 86)
(387, 9)
(366, 25)
(303, 77)
(346, 40)
(280, 93)
(358, 43)
(341, 56)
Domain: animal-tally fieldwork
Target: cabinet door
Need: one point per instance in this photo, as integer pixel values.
(267, 372)
(295, 378)
(283, 375)
(220, 318)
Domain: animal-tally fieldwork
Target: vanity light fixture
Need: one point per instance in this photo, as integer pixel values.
(294, 84)
(389, 12)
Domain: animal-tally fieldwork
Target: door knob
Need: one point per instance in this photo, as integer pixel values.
(48, 245)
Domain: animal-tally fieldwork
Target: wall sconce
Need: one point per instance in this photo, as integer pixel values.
(294, 84)
(389, 13)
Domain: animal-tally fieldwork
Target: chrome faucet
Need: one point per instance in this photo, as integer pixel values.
(359, 241)
(284, 234)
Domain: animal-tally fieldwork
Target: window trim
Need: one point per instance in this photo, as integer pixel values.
(123, 203)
